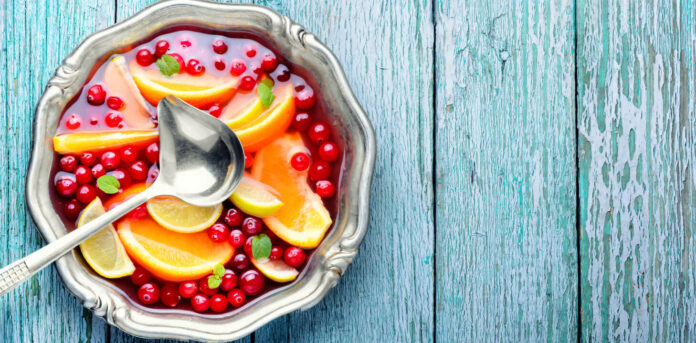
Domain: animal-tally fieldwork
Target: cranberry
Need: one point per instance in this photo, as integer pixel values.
(237, 66)
(250, 50)
(152, 173)
(194, 67)
(138, 171)
(96, 95)
(294, 256)
(68, 163)
(180, 60)
(269, 62)
(276, 253)
(72, 209)
(248, 160)
(319, 132)
(73, 122)
(205, 288)
(255, 68)
(305, 99)
(115, 103)
(144, 57)
(129, 154)
(185, 43)
(170, 295)
(219, 63)
(200, 303)
(282, 73)
(219, 46)
(123, 179)
(251, 282)
(229, 281)
(83, 175)
(98, 170)
(247, 246)
(247, 83)
(161, 48)
(328, 151)
(93, 121)
(325, 188)
(113, 119)
(188, 289)
(252, 226)
(110, 160)
(320, 171)
(218, 232)
(233, 217)
(148, 293)
(87, 159)
(152, 152)
(138, 213)
(140, 276)
(86, 194)
(236, 297)
(301, 122)
(218, 303)
(215, 110)
(300, 161)
(236, 238)
(240, 262)
(66, 187)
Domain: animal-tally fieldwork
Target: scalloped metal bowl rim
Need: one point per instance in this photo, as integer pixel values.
(331, 258)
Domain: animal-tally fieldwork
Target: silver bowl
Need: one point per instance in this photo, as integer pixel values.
(330, 259)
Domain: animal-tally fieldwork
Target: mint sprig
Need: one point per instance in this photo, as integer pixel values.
(261, 247)
(168, 65)
(108, 184)
(215, 280)
(265, 90)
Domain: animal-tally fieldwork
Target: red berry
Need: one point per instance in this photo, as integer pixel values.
(98, 170)
(250, 50)
(219, 46)
(83, 175)
(87, 159)
(294, 256)
(180, 60)
(140, 276)
(320, 171)
(152, 174)
(299, 161)
(229, 281)
(251, 282)
(301, 122)
(115, 103)
(73, 122)
(148, 293)
(96, 95)
(236, 297)
(328, 151)
(66, 187)
(194, 67)
(72, 209)
(237, 66)
(204, 287)
(144, 57)
(68, 163)
(93, 120)
(123, 179)
(269, 62)
(247, 83)
(152, 153)
(236, 238)
(218, 232)
(233, 217)
(110, 160)
(319, 132)
(219, 63)
(185, 42)
(305, 99)
(188, 289)
(252, 226)
(215, 110)
(161, 48)
(138, 171)
(129, 154)
(247, 246)
(325, 188)
(240, 262)
(113, 119)
(276, 253)
(256, 68)
(218, 303)
(169, 294)
(282, 73)
(86, 194)
(248, 160)
(138, 213)
(200, 303)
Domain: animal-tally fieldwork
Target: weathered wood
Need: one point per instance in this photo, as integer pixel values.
(637, 130)
(505, 168)
(37, 35)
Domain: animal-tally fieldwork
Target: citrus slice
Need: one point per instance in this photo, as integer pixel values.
(104, 251)
(200, 96)
(171, 256)
(71, 143)
(276, 270)
(302, 220)
(255, 198)
(234, 118)
(270, 124)
(180, 216)
(119, 82)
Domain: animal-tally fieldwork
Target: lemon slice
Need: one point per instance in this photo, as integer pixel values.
(104, 251)
(180, 216)
(255, 198)
(276, 270)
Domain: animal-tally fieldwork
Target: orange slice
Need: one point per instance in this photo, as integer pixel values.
(302, 220)
(124, 195)
(270, 124)
(251, 111)
(71, 143)
(200, 96)
(276, 270)
(119, 82)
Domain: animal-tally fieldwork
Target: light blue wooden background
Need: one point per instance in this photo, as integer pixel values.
(535, 181)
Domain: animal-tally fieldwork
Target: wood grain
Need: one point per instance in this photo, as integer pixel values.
(637, 130)
(506, 230)
(37, 35)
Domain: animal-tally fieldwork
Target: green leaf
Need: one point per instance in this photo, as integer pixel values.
(261, 247)
(265, 94)
(108, 184)
(168, 65)
(268, 82)
(214, 281)
(219, 270)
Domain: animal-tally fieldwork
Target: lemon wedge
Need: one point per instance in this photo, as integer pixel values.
(104, 251)
(180, 216)
(276, 270)
(255, 198)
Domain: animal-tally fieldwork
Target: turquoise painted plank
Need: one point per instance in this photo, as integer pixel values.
(37, 35)
(505, 170)
(637, 136)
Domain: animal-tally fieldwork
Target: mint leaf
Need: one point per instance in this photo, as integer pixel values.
(108, 184)
(265, 94)
(268, 82)
(219, 270)
(214, 281)
(168, 65)
(261, 247)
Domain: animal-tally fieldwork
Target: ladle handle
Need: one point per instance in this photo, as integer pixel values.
(19, 271)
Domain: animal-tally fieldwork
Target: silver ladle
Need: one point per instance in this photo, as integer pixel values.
(201, 162)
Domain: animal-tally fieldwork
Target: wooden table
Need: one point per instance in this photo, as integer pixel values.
(535, 179)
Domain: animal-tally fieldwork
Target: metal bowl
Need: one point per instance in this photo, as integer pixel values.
(330, 259)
